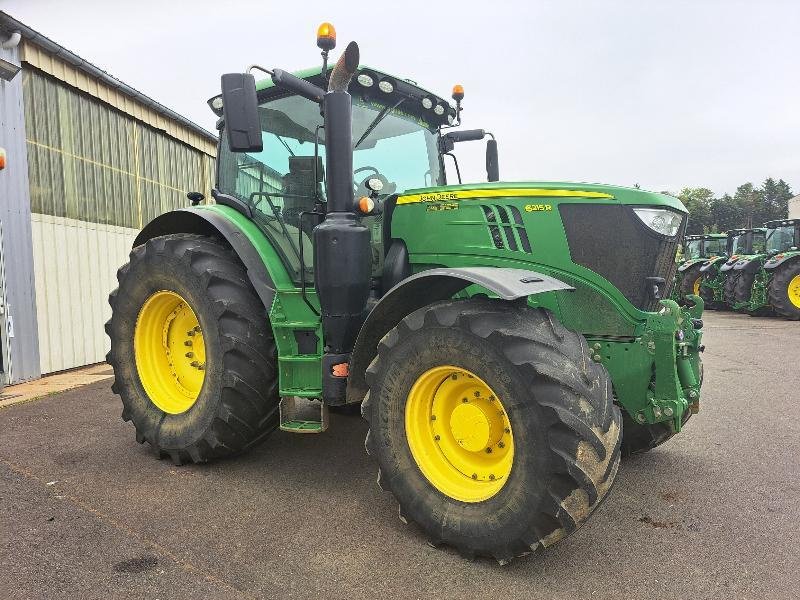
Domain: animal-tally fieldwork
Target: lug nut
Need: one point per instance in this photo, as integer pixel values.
(194, 364)
(437, 437)
(474, 475)
(433, 417)
(501, 444)
(187, 343)
(507, 430)
(477, 394)
(488, 451)
(190, 355)
(668, 411)
(491, 476)
(190, 333)
(464, 400)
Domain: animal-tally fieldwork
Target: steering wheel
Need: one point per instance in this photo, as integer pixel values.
(361, 188)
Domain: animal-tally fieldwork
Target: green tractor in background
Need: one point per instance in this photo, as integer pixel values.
(498, 335)
(697, 250)
(769, 282)
(740, 242)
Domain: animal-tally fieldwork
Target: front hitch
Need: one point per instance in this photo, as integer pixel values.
(672, 337)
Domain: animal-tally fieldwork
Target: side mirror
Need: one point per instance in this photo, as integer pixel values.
(492, 166)
(240, 112)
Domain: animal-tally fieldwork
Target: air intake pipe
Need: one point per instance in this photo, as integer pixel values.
(342, 257)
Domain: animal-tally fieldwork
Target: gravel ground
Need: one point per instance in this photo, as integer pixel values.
(86, 512)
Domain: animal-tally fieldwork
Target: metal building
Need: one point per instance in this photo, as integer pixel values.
(89, 161)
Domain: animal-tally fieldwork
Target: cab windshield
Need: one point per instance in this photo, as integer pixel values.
(715, 246)
(739, 244)
(693, 249)
(780, 239)
(279, 182)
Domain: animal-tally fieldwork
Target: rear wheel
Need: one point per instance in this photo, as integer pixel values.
(784, 290)
(491, 426)
(690, 283)
(743, 288)
(729, 289)
(192, 350)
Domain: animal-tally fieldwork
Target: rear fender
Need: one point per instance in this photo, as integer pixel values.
(783, 257)
(713, 263)
(690, 263)
(431, 286)
(215, 222)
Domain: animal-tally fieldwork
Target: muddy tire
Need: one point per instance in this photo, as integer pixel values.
(729, 289)
(559, 409)
(743, 287)
(235, 406)
(784, 290)
(690, 281)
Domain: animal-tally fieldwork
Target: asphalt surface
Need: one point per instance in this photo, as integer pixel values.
(86, 512)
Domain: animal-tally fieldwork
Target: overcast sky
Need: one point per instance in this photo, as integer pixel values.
(665, 94)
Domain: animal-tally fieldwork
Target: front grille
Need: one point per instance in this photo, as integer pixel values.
(612, 241)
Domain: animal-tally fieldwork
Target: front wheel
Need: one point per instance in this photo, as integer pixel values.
(491, 425)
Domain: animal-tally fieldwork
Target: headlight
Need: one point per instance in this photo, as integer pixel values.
(660, 220)
(365, 80)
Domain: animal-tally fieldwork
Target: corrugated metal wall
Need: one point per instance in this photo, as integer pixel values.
(20, 356)
(97, 175)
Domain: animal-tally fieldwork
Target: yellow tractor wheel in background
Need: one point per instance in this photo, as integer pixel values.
(492, 427)
(784, 289)
(192, 350)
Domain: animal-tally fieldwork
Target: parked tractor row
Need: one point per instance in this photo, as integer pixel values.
(755, 271)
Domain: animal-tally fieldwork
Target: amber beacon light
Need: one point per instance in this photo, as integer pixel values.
(326, 37)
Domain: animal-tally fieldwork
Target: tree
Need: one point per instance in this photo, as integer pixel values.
(698, 202)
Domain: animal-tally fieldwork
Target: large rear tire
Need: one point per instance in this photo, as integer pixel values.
(743, 288)
(491, 425)
(192, 350)
(784, 290)
(729, 289)
(691, 280)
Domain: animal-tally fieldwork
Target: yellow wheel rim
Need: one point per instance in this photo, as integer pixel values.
(170, 352)
(794, 291)
(459, 434)
(696, 287)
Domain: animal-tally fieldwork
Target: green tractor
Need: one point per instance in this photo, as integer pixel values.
(740, 242)
(697, 250)
(770, 281)
(497, 335)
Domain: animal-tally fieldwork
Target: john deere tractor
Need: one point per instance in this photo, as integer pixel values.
(507, 341)
(697, 249)
(770, 281)
(740, 242)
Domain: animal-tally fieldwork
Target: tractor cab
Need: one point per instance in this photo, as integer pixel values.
(704, 246)
(283, 185)
(782, 236)
(746, 241)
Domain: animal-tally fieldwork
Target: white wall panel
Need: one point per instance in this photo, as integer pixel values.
(75, 266)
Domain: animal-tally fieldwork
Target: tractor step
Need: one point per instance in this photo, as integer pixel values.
(303, 415)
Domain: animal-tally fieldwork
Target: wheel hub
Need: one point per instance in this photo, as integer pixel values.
(170, 352)
(459, 434)
(794, 291)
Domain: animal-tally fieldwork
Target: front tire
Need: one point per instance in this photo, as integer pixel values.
(192, 350)
(784, 290)
(691, 281)
(528, 435)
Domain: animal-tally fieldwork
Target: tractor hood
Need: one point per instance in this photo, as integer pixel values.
(587, 191)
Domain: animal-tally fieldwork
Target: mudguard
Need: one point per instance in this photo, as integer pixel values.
(781, 258)
(208, 222)
(431, 286)
(748, 265)
(728, 265)
(690, 263)
(712, 262)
